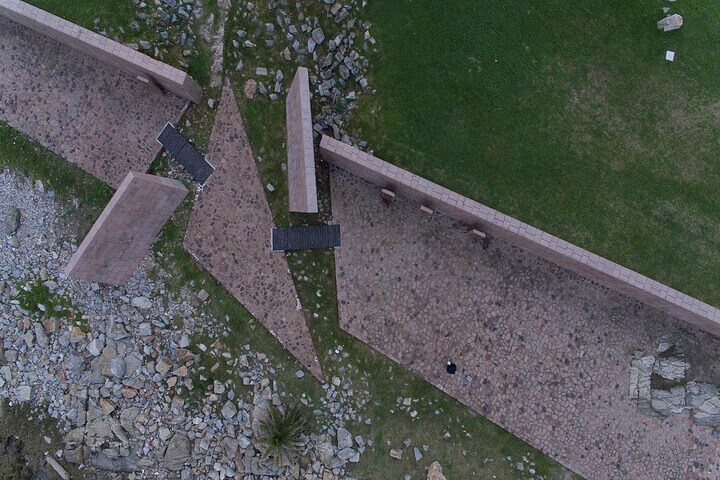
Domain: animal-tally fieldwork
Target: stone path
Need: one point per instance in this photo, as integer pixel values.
(97, 117)
(539, 350)
(229, 234)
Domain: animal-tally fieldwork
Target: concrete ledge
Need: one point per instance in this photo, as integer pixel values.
(554, 249)
(102, 48)
(302, 187)
(126, 229)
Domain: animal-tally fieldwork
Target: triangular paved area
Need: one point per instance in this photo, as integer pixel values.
(229, 234)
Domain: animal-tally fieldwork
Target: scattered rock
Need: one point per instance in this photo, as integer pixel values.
(23, 393)
(318, 35)
(228, 410)
(344, 439)
(348, 455)
(250, 89)
(142, 303)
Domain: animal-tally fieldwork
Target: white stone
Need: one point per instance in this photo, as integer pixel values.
(670, 23)
(24, 393)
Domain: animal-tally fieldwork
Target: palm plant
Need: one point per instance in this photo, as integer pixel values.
(281, 432)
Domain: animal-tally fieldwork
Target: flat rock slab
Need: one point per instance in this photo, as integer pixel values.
(540, 351)
(229, 234)
(94, 115)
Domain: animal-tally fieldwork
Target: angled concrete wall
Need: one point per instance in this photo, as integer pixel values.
(102, 48)
(302, 188)
(554, 249)
(126, 229)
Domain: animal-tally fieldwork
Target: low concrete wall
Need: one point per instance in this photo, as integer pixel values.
(126, 229)
(302, 188)
(102, 48)
(547, 246)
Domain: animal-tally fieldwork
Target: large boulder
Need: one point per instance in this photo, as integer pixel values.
(699, 393)
(670, 401)
(671, 368)
(177, 452)
(101, 461)
(708, 413)
(640, 373)
(670, 23)
(11, 221)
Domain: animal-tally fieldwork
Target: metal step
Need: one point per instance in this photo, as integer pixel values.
(185, 154)
(306, 238)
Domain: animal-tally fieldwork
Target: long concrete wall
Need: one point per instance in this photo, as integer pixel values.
(525, 236)
(302, 187)
(102, 48)
(126, 229)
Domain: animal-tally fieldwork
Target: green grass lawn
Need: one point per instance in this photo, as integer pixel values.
(84, 12)
(563, 114)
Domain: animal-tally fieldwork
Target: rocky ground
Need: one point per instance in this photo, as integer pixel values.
(117, 367)
(159, 27)
(331, 40)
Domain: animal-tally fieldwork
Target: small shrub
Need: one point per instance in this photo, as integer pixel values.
(14, 465)
(282, 433)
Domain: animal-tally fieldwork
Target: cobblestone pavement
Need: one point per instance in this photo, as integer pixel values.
(540, 351)
(229, 234)
(97, 117)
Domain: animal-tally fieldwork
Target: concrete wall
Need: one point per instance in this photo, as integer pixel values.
(102, 48)
(302, 188)
(543, 244)
(126, 229)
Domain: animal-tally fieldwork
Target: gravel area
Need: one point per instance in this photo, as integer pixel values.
(116, 367)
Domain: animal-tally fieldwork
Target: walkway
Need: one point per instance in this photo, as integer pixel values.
(95, 116)
(229, 234)
(539, 351)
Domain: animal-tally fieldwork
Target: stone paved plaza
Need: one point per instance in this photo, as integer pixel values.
(229, 235)
(95, 116)
(540, 351)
